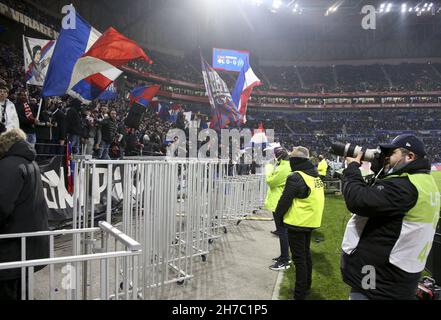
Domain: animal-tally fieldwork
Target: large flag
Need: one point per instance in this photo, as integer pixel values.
(144, 95)
(37, 56)
(85, 63)
(245, 84)
(224, 113)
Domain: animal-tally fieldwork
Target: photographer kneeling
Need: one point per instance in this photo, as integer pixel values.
(389, 237)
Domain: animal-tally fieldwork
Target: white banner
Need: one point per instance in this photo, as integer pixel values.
(37, 55)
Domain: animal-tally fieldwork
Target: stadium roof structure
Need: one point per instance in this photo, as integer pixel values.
(278, 30)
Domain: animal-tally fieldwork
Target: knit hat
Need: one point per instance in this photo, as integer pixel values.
(300, 152)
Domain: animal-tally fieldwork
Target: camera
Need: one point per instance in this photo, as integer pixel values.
(352, 151)
(428, 290)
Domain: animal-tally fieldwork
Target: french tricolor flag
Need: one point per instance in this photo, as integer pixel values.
(85, 62)
(244, 87)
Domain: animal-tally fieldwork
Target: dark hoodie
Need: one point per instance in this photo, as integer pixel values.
(23, 207)
(295, 187)
(384, 204)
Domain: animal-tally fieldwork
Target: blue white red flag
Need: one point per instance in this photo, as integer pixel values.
(245, 84)
(85, 62)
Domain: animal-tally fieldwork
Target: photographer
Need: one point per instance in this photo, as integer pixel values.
(389, 237)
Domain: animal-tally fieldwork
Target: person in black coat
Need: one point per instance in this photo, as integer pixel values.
(109, 128)
(27, 115)
(74, 125)
(388, 237)
(59, 135)
(23, 208)
(299, 236)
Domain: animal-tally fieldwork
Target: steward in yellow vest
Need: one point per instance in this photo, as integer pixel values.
(301, 209)
(276, 179)
(322, 167)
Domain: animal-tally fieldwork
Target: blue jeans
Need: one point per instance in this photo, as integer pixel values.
(32, 139)
(283, 238)
(75, 140)
(104, 151)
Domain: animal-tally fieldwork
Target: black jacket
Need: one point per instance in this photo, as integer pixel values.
(295, 187)
(27, 125)
(384, 204)
(109, 128)
(59, 132)
(23, 207)
(74, 125)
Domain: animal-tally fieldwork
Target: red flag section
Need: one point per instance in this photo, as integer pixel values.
(116, 49)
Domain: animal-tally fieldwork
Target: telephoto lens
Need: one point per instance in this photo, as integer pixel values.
(352, 151)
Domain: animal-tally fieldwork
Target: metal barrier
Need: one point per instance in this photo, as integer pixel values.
(82, 267)
(174, 207)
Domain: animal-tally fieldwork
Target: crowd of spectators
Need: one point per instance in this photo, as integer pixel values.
(369, 128)
(99, 129)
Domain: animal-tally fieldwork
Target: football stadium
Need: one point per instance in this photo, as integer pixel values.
(220, 150)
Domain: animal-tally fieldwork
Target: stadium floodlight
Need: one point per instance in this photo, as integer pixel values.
(389, 7)
(277, 4)
(410, 9)
(257, 2)
(403, 7)
(425, 5)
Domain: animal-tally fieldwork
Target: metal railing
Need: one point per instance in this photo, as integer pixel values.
(83, 265)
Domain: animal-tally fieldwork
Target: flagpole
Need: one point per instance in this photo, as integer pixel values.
(39, 109)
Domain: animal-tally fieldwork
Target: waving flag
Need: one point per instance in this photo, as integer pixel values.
(244, 87)
(71, 45)
(144, 95)
(85, 62)
(224, 113)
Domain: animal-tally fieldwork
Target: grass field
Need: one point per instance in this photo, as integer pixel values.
(327, 282)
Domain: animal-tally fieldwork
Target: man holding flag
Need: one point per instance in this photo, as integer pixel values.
(140, 98)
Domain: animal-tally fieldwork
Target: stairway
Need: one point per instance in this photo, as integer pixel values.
(299, 76)
(386, 75)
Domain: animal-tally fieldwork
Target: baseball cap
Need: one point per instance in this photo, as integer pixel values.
(406, 141)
